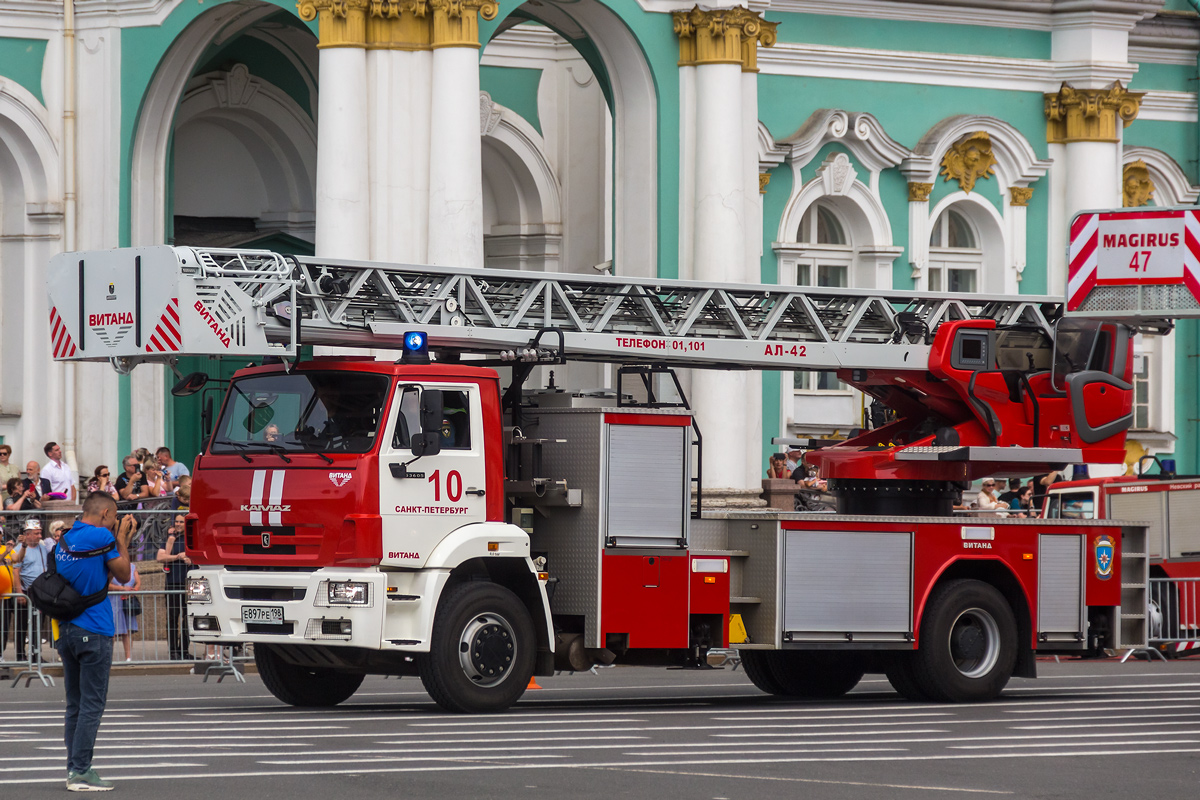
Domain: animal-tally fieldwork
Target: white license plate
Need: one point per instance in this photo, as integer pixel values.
(263, 615)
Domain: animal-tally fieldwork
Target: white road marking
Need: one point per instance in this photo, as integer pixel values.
(817, 780)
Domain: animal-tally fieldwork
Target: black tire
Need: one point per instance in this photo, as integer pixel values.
(482, 651)
(900, 675)
(816, 673)
(303, 686)
(968, 645)
(757, 666)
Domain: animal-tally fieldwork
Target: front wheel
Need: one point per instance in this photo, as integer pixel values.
(968, 645)
(303, 686)
(482, 651)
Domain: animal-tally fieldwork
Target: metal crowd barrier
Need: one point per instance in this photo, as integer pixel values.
(1174, 614)
(154, 517)
(155, 635)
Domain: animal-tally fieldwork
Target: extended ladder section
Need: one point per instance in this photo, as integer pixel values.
(158, 303)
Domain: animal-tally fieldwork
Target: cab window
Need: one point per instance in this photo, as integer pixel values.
(1073, 505)
(456, 419)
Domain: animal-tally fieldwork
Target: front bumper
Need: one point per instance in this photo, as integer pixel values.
(307, 618)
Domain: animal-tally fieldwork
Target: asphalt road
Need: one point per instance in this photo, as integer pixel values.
(1084, 729)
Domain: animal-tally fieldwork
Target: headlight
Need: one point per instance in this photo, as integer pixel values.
(198, 591)
(349, 593)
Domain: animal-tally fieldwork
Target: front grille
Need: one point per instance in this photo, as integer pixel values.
(326, 629)
(273, 550)
(281, 630)
(263, 593)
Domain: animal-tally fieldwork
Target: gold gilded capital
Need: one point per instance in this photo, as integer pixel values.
(1019, 195)
(456, 22)
(1089, 115)
(969, 159)
(764, 178)
(1137, 188)
(340, 23)
(722, 36)
(919, 192)
(399, 25)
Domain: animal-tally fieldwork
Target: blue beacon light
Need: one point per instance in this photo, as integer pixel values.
(416, 350)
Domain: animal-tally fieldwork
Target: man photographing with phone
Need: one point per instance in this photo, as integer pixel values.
(85, 642)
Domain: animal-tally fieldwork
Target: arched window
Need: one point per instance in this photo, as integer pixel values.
(829, 251)
(955, 257)
(827, 260)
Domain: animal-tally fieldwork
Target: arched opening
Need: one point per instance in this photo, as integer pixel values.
(31, 399)
(596, 105)
(224, 156)
(522, 211)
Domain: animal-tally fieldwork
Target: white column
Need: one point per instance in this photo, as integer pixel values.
(722, 400)
(455, 168)
(409, 228)
(343, 190)
(1094, 176)
(752, 267)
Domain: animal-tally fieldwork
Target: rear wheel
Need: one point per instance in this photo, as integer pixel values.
(482, 651)
(816, 673)
(303, 686)
(757, 666)
(900, 673)
(968, 645)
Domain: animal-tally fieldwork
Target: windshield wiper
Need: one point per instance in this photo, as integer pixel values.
(279, 451)
(328, 460)
(240, 446)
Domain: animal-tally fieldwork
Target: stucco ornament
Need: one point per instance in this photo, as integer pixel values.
(1020, 195)
(919, 192)
(1137, 188)
(489, 114)
(837, 174)
(969, 159)
(235, 89)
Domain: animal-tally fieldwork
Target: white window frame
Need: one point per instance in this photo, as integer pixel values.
(943, 258)
(809, 258)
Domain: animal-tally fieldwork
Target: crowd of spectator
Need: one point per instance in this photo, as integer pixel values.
(147, 480)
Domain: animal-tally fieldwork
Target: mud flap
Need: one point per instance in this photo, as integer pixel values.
(1026, 666)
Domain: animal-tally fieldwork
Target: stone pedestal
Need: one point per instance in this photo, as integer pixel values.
(732, 499)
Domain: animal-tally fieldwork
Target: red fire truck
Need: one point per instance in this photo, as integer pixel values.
(1169, 505)
(353, 516)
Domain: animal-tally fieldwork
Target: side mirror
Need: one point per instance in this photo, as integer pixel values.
(189, 384)
(429, 441)
(432, 410)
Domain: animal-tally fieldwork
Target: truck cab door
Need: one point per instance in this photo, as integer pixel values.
(423, 499)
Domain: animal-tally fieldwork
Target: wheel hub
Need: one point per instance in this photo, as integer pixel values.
(486, 649)
(975, 642)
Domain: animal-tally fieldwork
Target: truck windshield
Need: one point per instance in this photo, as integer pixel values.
(1074, 343)
(1023, 348)
(328, 412)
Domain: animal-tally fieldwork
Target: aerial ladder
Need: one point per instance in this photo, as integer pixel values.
(961, 414)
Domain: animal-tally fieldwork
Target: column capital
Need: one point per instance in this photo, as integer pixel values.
(1089, 115)
(1020, 195)
(456, 22)
(919, 192)
(399, 25)
(764, 178)
(341, 23)
(722, 36)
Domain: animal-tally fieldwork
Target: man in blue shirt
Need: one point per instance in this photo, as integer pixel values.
(85, 643)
